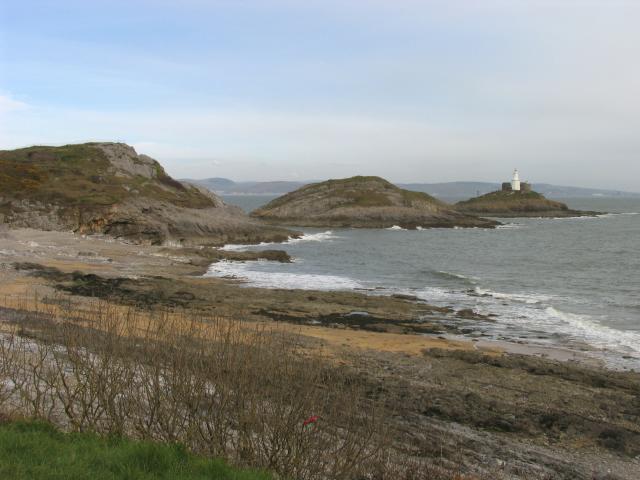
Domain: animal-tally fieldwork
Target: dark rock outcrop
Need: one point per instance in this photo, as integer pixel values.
(363, 202)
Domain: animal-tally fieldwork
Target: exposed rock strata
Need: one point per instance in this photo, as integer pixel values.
(108, 188)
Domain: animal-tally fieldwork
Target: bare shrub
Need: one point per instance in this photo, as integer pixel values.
(243, 391)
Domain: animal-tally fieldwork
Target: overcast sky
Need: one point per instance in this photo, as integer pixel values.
(310, 89)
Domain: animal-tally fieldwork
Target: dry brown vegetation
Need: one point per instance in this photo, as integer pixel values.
(224, 388)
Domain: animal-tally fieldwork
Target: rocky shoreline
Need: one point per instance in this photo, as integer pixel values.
(489, 406)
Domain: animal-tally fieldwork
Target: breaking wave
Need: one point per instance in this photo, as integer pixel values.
(453, 276)
(527, 298)
(254, 277)
(605, 215)
(511, 226)
(595, 333)
(307, 237)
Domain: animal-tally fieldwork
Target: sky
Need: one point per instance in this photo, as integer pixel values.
(414, 91)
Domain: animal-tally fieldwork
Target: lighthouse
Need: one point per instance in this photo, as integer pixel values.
(515, 182)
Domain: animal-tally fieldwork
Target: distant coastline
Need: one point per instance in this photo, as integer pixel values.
(459, 190)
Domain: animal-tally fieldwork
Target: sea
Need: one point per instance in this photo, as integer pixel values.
(572, 282)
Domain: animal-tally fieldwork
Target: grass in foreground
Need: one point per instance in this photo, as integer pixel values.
(33, 450)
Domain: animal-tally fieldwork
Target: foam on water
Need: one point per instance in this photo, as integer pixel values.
(516, 297)
(459, 276)
(254, 277)
(533, 314)
(314, 237)
(307, 237)
(511, 226)
(610, 215)
(595, 333)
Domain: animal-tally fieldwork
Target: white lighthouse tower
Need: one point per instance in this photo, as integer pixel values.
(515, 182)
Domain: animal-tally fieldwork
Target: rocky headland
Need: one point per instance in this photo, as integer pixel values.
(364, 202)
(518, 204)
(108, 188)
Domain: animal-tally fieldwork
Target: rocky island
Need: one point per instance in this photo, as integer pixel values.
(518, 204)
(517, 199)
(108, 188)
(364, 202)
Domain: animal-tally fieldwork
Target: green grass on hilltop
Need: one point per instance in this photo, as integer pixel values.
(358, 191)
(507, 201)
(501, 196)
(81, 175)
(32, 450)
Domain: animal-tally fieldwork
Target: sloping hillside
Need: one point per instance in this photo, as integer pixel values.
(517, 204)
(108, 188)
(363, 202)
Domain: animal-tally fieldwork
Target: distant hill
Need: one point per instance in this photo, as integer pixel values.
(216, 184)
(474, 189)
(456, 190)
(108, 188)
(578, 192)
(224, 186)
(363, 202)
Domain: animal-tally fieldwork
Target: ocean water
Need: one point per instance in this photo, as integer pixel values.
(571, 282)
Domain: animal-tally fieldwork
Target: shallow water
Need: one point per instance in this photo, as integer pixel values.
(550, 281)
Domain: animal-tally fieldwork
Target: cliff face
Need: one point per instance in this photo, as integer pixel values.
(517, 204)
(363, 202)
(108, 188)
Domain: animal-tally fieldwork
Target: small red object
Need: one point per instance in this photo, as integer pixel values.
(310, 420)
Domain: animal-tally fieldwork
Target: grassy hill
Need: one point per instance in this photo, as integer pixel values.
(85, 176)
(109, 188)
(363, 202)
(517, 204)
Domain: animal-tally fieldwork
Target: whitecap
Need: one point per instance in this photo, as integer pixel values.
(528, 298)
(439, 295)
(307, 237)
(595, 333)
(253, 277)
(510, 226)
(606, 215)
(446, 274)
(314, 237)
